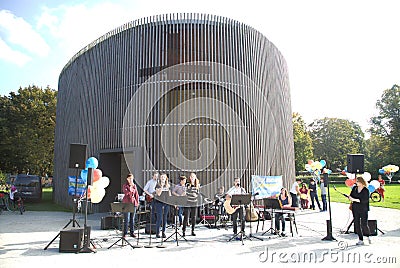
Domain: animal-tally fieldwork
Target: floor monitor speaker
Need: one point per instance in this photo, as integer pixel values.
(71, 240)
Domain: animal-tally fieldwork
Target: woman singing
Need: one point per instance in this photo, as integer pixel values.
(192, 192)
(359, 196)
(161, 206)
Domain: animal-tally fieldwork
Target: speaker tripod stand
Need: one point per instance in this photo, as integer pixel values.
(75, 200)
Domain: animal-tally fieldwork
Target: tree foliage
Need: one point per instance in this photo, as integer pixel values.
(386, 126)
(334, 138)
(303, 149)
(27, 124)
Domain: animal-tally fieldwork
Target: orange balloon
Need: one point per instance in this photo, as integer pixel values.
(350, 182)
(97, 174)
(310, 162)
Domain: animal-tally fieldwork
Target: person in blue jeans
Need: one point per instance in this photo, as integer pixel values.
(286, 201)
(314, 194)
(160, 203)
(322, 185)
(180, 190)
(131, 195)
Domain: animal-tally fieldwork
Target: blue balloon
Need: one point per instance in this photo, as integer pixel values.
(84, 174)
(92, 162)
(371, 188)
(381, 171)
(323, 163)
(329, 171)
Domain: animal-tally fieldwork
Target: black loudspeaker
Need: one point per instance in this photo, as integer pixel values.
(355, 163)
(147, 228)
(77, 156)
(112, 222)
(71, 240)
(326, 179)
(373, 228)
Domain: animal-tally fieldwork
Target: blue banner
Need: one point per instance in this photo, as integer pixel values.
(266, 186)
(81, 186)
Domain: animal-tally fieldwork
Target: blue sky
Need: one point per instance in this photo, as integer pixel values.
(341, 54)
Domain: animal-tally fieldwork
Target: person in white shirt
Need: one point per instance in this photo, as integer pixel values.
(295, 193)
(235, 190)
(149, 191)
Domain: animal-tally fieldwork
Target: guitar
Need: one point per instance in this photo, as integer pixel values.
(148, 198)
(228, 208)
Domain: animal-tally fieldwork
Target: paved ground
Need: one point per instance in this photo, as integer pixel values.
(23, 238)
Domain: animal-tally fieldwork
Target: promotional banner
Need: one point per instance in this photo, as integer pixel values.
(266, 186)
(81, 186)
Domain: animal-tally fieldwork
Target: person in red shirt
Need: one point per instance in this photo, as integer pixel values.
(381, 189)
(131, 195)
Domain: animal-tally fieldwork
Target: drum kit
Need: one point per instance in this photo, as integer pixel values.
(213, 213)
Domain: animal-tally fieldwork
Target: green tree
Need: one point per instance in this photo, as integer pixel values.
(377, 155)
(334, 138)
(303, 149)
(386, 126)
(27, 124)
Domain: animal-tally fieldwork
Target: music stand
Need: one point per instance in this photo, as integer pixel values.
(124, 208)
(178, 201)
(240, 200)
(273, 204)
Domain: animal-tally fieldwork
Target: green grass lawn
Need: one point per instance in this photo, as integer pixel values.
(46, 204)
(392, 196)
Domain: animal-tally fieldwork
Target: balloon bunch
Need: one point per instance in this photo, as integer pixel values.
(314, 167)
(389, 171)
(96, 191)
(352, 180)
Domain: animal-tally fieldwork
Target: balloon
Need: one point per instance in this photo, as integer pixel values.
(84, 174)
(323, 163)
(97, 194)
(308, 167)
(381, 171)
(366, 176)
(345, 168)
(310, 162)
(92, 162)
(375, 183)
(343, 172)
(371, 188)
(351, 175)
(103, 182)
(349, 182)
(97, 174)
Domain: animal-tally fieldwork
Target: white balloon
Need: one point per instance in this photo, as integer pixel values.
(375, 183)
(97, 194)
(367, 176)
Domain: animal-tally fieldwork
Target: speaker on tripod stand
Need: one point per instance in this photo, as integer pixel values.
(77, 156)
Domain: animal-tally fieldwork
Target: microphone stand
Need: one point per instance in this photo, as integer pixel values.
(251, 213)
(329, 236)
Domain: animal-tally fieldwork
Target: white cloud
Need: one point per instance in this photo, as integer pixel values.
(19, 32)
(77, 26)
(13, 56)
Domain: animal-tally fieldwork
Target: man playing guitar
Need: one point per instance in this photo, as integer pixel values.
(148, 191)
(237, 189)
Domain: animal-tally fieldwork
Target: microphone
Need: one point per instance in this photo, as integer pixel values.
(256, 193)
